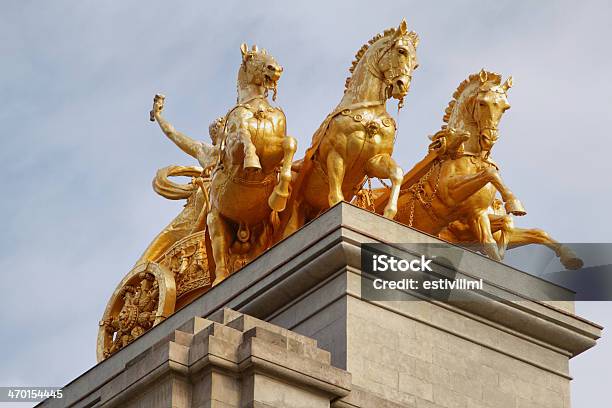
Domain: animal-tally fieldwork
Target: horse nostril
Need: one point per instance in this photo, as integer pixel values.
(271, 67)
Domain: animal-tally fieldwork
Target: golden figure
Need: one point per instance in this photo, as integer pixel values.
(356, 140)
(193, 217)
(458, 180)
(250, 185)
(204, 153)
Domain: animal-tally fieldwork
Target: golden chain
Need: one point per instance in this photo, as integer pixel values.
(411, 220)
(384, 184)
(417, 190)
(370, 196)
(364, 197)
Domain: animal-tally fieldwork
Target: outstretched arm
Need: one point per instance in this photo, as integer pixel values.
(184, 142)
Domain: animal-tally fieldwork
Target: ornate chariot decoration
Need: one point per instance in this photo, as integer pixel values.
(145, 297)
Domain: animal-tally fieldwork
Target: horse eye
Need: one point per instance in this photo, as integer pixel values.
(402, 51)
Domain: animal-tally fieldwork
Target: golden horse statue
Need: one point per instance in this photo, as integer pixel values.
(457, 180)
(251, 156)
(356, 140)
(508, 236)
(250, 184)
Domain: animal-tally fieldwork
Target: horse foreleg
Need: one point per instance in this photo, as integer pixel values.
(219, 237)
(522, 236)
(278, 199)
(335, 175)
(251, 160)
(512, 204)
(383, 166)
(481, 227)
(462, 187)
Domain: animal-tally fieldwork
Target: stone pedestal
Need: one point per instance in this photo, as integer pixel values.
(229, 360)
(291, 329)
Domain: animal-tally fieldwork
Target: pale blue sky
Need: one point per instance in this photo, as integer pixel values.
(78, 153)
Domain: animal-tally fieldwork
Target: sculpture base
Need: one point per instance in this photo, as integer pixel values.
(336, 348)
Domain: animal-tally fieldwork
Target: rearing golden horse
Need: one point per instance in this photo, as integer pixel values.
(250, 184)
(250, 158)
(458, 180)
(356, 140)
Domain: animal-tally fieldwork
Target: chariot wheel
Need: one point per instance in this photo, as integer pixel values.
(143, 299)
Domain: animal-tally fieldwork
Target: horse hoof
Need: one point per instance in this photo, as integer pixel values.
(220, 276)
(515, 207)
(569, 259)
(390, 213)
(252, 163)
(278, 201)
(218, 280)
(573, 263)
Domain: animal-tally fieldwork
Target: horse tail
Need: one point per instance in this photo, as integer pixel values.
(175, 191)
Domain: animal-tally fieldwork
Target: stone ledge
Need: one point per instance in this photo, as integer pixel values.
(319, 260)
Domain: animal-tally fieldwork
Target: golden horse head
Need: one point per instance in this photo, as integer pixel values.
(259, 68)
(389, 57)
(477, 108)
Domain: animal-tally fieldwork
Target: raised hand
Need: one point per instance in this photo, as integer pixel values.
(158, 106)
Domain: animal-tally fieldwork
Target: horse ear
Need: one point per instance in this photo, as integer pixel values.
(402, 29)
(483, 76)
(244, 50)
(508, 84)
(415, 38)
(255, 49)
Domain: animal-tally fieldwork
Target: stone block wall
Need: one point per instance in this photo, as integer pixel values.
(416, 363)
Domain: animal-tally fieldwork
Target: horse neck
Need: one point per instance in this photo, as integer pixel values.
(364, 87)
(248, 91)
(468, 124)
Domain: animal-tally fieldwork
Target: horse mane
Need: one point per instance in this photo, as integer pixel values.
(364, 48)
(491, 77)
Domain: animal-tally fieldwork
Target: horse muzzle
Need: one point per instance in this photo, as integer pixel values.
(400, 86)
(273, 73)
